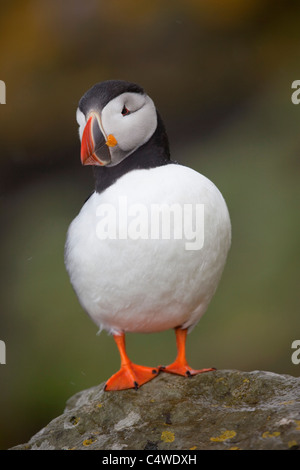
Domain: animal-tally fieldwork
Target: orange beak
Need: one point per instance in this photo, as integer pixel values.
(94, 147)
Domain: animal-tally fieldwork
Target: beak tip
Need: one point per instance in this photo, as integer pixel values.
(92, 159)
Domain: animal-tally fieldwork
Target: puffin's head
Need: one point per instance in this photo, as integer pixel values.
(115, 118)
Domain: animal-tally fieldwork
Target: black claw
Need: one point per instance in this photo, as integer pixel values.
(162, 367)
(188, 374)
(136, 385)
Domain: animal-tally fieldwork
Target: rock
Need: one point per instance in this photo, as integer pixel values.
(224, 409)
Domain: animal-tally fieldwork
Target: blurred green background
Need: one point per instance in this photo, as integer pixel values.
(220, 73)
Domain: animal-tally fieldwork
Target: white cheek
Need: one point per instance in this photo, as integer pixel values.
(133, 130)
(80, 132)
(81, 121)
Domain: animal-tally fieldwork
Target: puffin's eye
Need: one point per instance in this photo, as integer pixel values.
(125, 111)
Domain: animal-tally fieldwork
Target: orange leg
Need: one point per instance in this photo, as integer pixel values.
(180, 365)
(130, 375)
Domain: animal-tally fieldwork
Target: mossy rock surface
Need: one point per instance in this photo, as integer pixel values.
(224, 409)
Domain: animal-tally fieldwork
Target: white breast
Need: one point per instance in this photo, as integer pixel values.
(148, 284)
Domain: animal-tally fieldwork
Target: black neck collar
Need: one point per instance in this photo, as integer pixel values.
(152, 154)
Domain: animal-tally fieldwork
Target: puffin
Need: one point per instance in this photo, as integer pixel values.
(148, 248)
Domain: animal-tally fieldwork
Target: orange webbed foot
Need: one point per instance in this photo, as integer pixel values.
(130, 376)
(180, 365)
(183, 369)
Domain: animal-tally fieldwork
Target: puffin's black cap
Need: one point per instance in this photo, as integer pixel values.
(102, 93)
